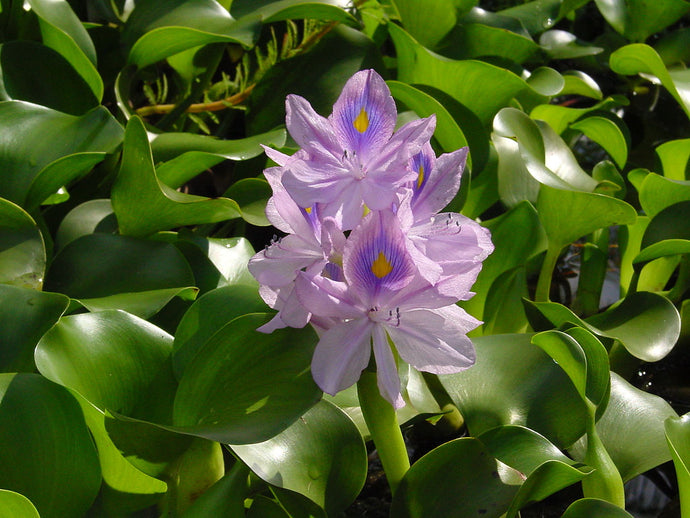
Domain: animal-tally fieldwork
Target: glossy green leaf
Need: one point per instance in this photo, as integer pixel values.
(658, 192)
(560, 117)
(568, 354)
(34, 136)
(674, 156)
(448, 133)
(643, 59)
(568, 215)
(278, 10)
(25, 315)
(481, 87)
(579, 83)
(64, 32)
(263, 507)
(536, 16)
(427, 21)
(106, 271)
(607, 134)
(459, 478)
(476, 41)
(514, 382)
(22, 251)
(44, 442)
(677, 432)
(513, 248)
(673, 46)
(29, 72)
(185, 155)
(544, 467)
(321, 456)
(546, 159)
(58, 174)
(560, 44)
(296, 505)
(587, 507)
(251, 194)
(92, 216)
(144, 205)
(503, 312)
(15, 505)
(667, 234)
(208, 315)
(265, 386)
(637, 19)
(632, 429)
(156, 31)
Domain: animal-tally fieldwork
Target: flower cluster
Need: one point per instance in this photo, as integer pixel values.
(369, 260)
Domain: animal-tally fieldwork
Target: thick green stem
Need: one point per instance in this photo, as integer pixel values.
(547, 267)
(383, 426)
(605, 482)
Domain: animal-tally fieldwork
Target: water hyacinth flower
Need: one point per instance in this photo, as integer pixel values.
(353, 158)
(369, 259)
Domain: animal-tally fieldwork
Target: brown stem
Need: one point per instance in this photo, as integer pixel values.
(233, 100)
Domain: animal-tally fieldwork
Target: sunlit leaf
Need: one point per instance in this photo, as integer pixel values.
(677, 432)
(587, 507)
(643, 59)
(269, 383)
(15, 505)
(563, 45)
(427, 21)
(607, 134)
(637, 19)
(144, 205)
(674, 156)
(277, 10)
(658, 192)
(321, 456)
(476, 41)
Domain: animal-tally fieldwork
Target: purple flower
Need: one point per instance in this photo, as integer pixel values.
(353, 159)
(383, 303)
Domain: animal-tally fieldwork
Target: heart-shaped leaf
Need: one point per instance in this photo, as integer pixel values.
(14, 505)
(22, 251)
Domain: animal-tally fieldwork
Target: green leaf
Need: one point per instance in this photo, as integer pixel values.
(545, 159)
(25, 315)
(483, 88)
(632, 429)
(31, 137)
(22, 250)
(184, 155)
(106, 271)
(427, 21)
(155, 31)
(568, 215)
(63, 31)
(527, 388)
(658, 192)
(579, 83)
(225, 498)
(545, 469)
(677, 432)
(564, 45)
(643, 59)
(251, 194)
(477, 41)
(321, 456)
(637, 19)
(448, 133)
(517, 236)
(264, 388)
(143, 205)
(607, 134)
(674, 156)
(30, 71)
(274, 11)
(459, 478)
(503, 312)
(44, 442)
(208, 315)
(14, 505)
(536, 16)
(587, 507)
(88, 218)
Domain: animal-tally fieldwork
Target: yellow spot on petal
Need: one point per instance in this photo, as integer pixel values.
(361, 123)
(420, 178)
(307, 210)
(381, 267)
